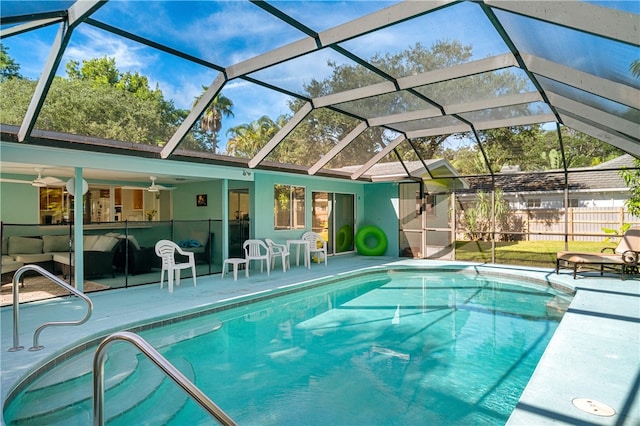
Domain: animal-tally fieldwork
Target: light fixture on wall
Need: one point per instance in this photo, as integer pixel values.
(246, 173)
(71, 186)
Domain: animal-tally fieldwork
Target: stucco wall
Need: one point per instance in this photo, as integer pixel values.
(184, 201)
(19, 203)
(381, 209)
(262, 218)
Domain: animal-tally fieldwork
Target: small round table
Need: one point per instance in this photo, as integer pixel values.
(235, 261)
(305, 246)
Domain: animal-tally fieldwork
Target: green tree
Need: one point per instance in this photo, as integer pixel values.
(246, 140)
(476, 220)
(632, 179)
(210, 122)
(9, 69)
(97, 100)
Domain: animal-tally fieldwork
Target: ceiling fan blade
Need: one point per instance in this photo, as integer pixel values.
(52, 181)
(14, 180)
(163, 188)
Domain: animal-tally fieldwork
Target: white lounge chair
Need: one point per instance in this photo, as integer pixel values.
(166, 250)
(256, 250)
(625, 256)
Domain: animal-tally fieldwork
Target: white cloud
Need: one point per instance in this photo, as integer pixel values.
(93, 43)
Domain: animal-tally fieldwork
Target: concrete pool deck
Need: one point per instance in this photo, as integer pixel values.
(594, 353)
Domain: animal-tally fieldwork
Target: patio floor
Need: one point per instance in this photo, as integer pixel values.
(594, 354)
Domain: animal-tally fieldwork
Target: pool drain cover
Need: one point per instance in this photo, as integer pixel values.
(593, 407)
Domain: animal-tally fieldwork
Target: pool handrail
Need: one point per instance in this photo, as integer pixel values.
(16, 306)
(161, 362)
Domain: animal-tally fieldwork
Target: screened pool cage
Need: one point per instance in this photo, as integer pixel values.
(510, 120)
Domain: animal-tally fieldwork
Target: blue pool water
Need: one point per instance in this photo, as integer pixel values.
(399, 347)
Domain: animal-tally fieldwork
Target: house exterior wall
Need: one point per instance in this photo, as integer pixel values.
(381, 208)
(184, 201)
(262, 214)
(19, 203)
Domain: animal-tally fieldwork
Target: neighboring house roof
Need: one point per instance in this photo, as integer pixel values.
(604, 176)
(436, 169)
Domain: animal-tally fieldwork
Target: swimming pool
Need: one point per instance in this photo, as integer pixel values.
(396, 347)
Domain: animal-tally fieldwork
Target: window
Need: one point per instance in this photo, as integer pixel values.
(288, 207)
(533, 203)
(574, 202)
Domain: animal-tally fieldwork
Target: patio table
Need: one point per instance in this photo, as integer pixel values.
(305, 245)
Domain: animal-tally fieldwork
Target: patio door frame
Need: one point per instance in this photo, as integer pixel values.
(420, 218)
(332, 227)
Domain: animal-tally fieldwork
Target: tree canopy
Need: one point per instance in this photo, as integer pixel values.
(97, 99)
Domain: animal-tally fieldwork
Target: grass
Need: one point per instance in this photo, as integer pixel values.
(529, 253)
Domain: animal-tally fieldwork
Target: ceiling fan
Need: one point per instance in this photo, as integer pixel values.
(39, 182)
(154, 187)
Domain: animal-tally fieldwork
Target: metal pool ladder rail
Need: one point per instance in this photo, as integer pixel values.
(172, 372)
(16, 307)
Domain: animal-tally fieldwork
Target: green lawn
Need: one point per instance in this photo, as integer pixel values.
(529, 253)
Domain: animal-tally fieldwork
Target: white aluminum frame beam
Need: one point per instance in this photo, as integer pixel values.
(23, 28)
(273, 57)
(404, 117)
(595, 115)
(493, 63)
(194, 115)
(590, 83)
(379, 156)
(624, 144)
(357, 27)
(439, 131)
(355, 94)
(338, 147)
(78, 12)
(516, 121)
(282, 133)
(578, 15)
(403, 11)
(499, 102)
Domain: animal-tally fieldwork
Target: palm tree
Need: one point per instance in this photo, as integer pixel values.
(246, 140)
(211, 119)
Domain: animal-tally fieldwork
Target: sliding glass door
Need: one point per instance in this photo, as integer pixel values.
(333, 217)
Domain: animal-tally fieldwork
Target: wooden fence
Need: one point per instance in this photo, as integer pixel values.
(582, 223)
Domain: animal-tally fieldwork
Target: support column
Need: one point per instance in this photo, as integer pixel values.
(78, 231)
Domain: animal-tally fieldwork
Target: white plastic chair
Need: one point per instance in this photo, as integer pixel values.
(257, 250)
(278, 250)
(166, 250)
(316, 240)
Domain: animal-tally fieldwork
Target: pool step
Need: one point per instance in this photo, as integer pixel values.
(161, 405)
(71, 402)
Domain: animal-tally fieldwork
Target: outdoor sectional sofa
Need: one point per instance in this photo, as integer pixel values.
(52, 253)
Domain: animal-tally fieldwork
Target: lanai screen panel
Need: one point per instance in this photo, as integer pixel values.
(362, 149)
(321, 15)
(608, 59)
(223, 33)
(265, 39)
(308, 143)
(306, 74)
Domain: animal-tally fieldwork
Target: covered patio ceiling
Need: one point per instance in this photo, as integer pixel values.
(575, 57)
